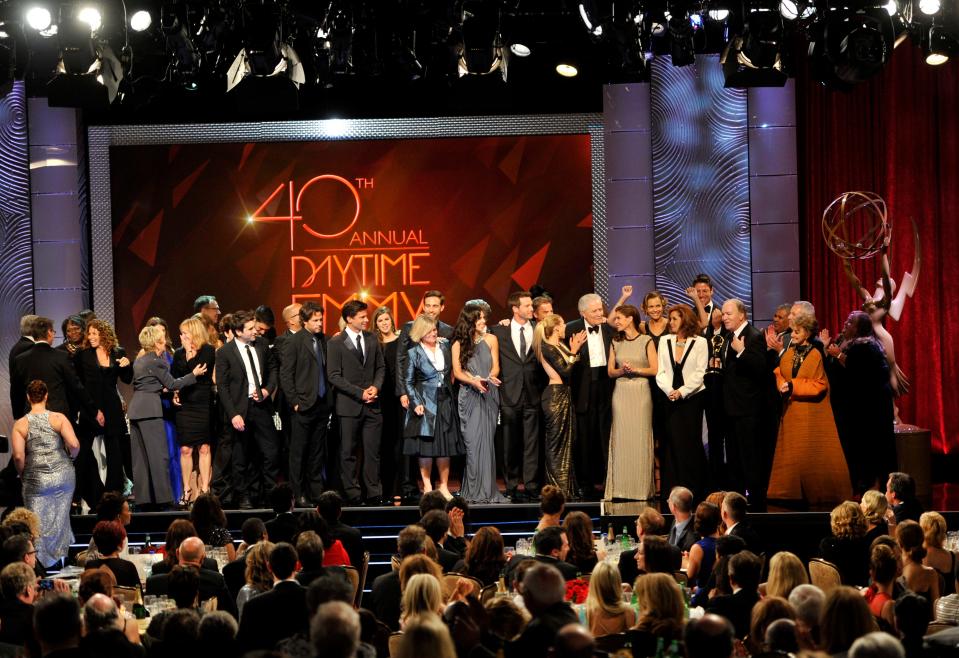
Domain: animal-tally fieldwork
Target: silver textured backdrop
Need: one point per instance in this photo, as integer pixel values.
(700, 180)
(16, 233)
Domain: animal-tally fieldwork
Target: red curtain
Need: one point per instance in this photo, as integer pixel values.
(896, 135)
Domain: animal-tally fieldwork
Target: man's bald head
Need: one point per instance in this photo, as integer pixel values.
(573, 641)
(543, 586)
(100, 612)
(191, 551)
(291, 316)
(710, 636)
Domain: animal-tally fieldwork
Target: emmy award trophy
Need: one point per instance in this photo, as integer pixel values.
(717, 343)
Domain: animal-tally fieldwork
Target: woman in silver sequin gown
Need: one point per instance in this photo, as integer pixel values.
(43, 446)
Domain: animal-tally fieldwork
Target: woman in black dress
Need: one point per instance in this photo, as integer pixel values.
(100, 364)
(391, 446)
(194, 418)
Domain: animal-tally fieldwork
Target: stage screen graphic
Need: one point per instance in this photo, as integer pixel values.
(380, 220)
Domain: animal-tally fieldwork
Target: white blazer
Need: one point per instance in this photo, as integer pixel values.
(693, 370)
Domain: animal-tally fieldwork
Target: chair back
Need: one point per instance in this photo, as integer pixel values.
(487, 594)
(681, 578)
(363, 569)
(395, 640)
(824, 575)
(936, 626)
(354, 577)
(611, 643)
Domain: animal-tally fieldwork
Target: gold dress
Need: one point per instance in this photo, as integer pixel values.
(631, 462)
(559, 422)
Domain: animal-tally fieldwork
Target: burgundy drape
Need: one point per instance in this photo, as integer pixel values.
(896, 135)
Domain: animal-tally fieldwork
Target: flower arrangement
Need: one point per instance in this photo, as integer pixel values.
(577, 590)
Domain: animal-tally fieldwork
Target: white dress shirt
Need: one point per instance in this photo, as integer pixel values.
(596, 346)
(515, 328)
(693, 369)
(250, 379)
(351, 336)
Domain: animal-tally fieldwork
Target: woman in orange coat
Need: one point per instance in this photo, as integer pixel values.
(809, 464)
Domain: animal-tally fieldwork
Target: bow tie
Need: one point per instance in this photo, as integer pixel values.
(594, 330)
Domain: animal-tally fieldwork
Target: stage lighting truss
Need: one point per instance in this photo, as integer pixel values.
(265, 54)
(754, 57)
(468, 46)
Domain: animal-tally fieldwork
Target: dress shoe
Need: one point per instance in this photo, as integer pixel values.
(244, 503)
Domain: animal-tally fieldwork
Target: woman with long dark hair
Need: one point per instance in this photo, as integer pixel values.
(579, 531)
(475, 354)
(485, 557)
(210, 523)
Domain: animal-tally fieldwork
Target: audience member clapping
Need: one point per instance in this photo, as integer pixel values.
(661, 613)
(606, 612)
(845, 619)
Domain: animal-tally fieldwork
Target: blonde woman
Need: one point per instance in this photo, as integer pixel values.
(258, 576)
(786, 572)
(934, 534)
(423, 595)
(847, 547)
(151, 460)
(662, 615)
(875, 508)
(194, 416)
(606, 612)
(426, 637)
(558, 421)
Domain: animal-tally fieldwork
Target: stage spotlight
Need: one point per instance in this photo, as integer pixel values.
(520, 50)
(796, 9)
(930, 7)
(940, 47)
(891, 7)
(567, 70)
(141, 21)
(754, 59)
(39, 18)
(719, 14)
(849, 48)
(681, 47)
(90, 16)
(88, 74)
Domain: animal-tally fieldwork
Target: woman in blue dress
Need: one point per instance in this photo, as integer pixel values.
(707, 523)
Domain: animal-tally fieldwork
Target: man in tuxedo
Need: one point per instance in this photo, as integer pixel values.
(551, 546)
(746, 383)
(355, 368)
(310, 397)
(901, 496)
(703, 291)
(283, 526)
(744, 574)
(330, 507)
(734, 513)
(54, 368)
(592, 392)
(432, 305)
(291, 318)
(279, 613)
(682, 534)
(246, 376)
(22, 345)
(522, 385)
(191, 553)
(779, 336)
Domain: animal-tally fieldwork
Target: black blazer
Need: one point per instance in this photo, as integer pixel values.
(744, 531)
(101, 384)
(211, 584)
(299, 377)
(350, 376)
(519, 373)
(540, 633)
(54, 367)
(231, 382)
(443, 330)
(282, 528)
(745, 377)
(273, 616)
(352, 541)
(18, 348)
(234, 575)
(737, 608)
(580, 380)
(568, 570)
(687, 537)
(163, 566)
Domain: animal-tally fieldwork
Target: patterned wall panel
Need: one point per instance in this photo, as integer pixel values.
(16, 264)
(700, 180)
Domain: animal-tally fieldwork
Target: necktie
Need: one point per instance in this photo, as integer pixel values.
(522, 341)
(359, 347)
(256, 377)
(594, 330)
(672, 535)
(321, 375)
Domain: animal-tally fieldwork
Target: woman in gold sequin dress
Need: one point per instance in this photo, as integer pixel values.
(559, 423)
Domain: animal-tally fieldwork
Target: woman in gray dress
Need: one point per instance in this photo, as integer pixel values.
(43, 445)
(151, 458)
(475, 355)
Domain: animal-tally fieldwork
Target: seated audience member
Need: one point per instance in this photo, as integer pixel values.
(279, 613)
(335, 630)
(309, 547)
(418, 564)
(656, 555)
(183, 586)
(735, 515)
(485, 557)
(107, 631)
(334, 553)
(18, 583)
(711, 636)
(845, 619)
(457, 509)
(718, 583)
(717, 498)
(516, 583)
(875, 509)
(18, 547)
(579, 532)
(95, 581)
(681, 534)
(846, 547)
(386, 592)
(422, 595)
(323, 590)
(437, 525)
(544, 591)
(912, 622)
(882, 573)
(808, 601)
(781, 637)
(259, 578)
(573, 641)
(877, 645)
(506, 620)
(649, 522)
(916, 577)
(330, 507)
(58, 626)
(283, 526)
(551, 546)
(943, 561)
(209, 520)
(179, 530)
(217, 635)
(253, 531)
(191, 553)
(901, 496)
(179, 635)
(606, 612)
(661, 613)
(552, 502)
(744, 573)
(765, 612)
(426, 637)
(110, 537)
(702, 554)
(786, 572)
(113, 506)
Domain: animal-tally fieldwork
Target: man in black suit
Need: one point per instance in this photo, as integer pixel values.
(309, 550)
(544, 591)
(551, 547)
(310, 397)
(330, 507)
(291, 318)
(520, 392)
(734, 514)
(22, 345)
(356, 369)
(744, 574)
(437, 525)
(279, 613)
(432, 305)
(252, 532)
(682, 534)
(191, 553)
(901, 496)
(246, 377)
(386, 595)
(54, 368)
(702, 295)
(746, 382)
(592, 392)
(282, 527)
